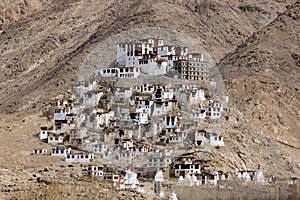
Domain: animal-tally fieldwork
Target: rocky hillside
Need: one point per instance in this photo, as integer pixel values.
(12, 11)
(41, 52)
(262, 77)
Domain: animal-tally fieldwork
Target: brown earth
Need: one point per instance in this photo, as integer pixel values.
(12, 11)
(42, 48)
(38, 51)
(262, 77)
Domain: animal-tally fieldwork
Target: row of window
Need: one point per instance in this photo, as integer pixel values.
(77, 156)
(214, 109)
(159, 160)
(57, 151)
(194, 78)
(190, 64)
(220, 138)
(213, 114)
(55, 138)
(126, 75)
(194, 73)
(215, 105)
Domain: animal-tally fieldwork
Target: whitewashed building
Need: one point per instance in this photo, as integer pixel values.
(60, 151)
(84, 86)
(39, 151)
(198, 114)
(129, 53)
(93, 171)
(214, 109)
(154, 67)
(104, 119)
(182, 169)
(163, 107)
(159, 159)
(196, 95)
(212, 138)
(120, 72)
(178, 137)
(161, 162)
(171, 122)
(79, 157)
(44, 133)
(216, 139)
(61, 114)
(55, 139)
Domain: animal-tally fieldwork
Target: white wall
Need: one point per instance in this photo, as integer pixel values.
(60, 152)
(79, 157)
(154, 68)
(216, 140)
(55, 139)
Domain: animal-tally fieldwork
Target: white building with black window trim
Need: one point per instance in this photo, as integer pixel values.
(214, 109)
(79, 157)
(60, 151)
(120, 72)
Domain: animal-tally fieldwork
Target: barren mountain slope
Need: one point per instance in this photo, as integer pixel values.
(42, 52)
(262, 77)
(12, 11)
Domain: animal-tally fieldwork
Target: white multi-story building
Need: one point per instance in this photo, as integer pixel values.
(170, 122)
(122, 92)
(129, 54)
(199, 114)
(172, 53)
(182, 168)
(100, 148)
(212, 138)
(160, 158)
(61, 114)
(159, 162)
(214, 109)
(93, 170)
(104, 119)
(177, 137)
(120, 72)
(196, 96)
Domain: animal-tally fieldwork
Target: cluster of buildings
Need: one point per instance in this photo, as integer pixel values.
(110, 120)
(152, 57)
(64, 126)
